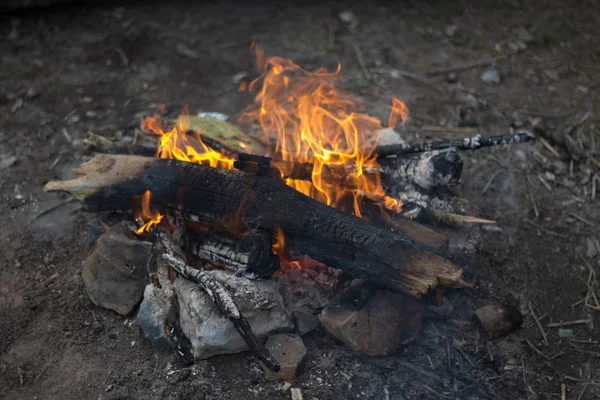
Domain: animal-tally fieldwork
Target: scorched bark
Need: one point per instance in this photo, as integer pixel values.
(241, 201)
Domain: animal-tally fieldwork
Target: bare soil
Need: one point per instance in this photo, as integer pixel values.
(68, 70)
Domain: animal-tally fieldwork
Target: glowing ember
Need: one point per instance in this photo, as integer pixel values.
(146, 215)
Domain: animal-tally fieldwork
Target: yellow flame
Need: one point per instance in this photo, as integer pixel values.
(146, 215)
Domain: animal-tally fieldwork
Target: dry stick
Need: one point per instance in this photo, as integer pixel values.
(361, 62)
(420, 371)
(563, 391)
(585, 221)
(462, 67)
(443, 396)
(222, 299)
(569, 323)
(582, 391)
(549, 147)
(546, 231)
(537, 321)
(538, 351)
(491, 180)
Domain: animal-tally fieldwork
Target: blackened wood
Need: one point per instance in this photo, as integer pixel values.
(219, 295)
(250, 255)
(241, 201)
(475, 142)
(426, 171)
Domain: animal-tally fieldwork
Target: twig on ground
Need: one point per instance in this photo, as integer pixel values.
(582, 391)
(361, 62)
(463, 67)
(491, 180)
(544, 230)
(538, 323)
(421, 371)
(568, 323)
(585, 221)
(563, 391)
(538, 351)
(549, 147)
(443, 396)
(53, 208)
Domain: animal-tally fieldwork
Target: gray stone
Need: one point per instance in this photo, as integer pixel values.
(157, 308)
(114, 272)
(288, 349)
(210, 333)
(491, 76)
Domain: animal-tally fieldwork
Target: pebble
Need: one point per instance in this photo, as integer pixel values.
(491, 76)
(452, 77)
(451, 30)
(346, 16)
(75, 119)
(31, 93)
(239, 77)
(91, 114)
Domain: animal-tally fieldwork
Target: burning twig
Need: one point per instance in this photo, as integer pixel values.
(475, 142)
(220, 296)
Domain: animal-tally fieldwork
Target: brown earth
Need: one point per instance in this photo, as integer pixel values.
(78, 68)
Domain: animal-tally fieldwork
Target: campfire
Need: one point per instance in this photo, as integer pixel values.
(307, 212)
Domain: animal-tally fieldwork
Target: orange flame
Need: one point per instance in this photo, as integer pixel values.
(399, 110)
(309, 120)
(180, 145)
(313, 121)
(146, 215)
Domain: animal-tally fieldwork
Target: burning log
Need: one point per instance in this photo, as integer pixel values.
(249, 255)
(427, 171)
(240, 201)
(476, 142)
(221, 298)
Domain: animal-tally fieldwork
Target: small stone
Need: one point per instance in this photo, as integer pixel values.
(31, 93)
(75, 119)
(86, 99)
(114, 272)
(346, 16)
(498, 319)
(288, 349)
(239, 77)
(550, 176)
(559, 167)
(591, 248)
(452, 77)
(91, 114)
(109, 388)
(451, 30)
(396, 74)
(285, 386)
(582, 89)
(7, 161)
(187, 52)
(551, 89)
(491, 76)
(373, 321)
(157, 308)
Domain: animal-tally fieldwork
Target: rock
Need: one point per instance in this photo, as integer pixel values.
(210, 333)
(114, 272)
(288, 349)
(157, 308)
(592, 247)
(305, 320)
(373, 321)
(491, 76)
(7, 161)
(498, 319)
(452, 77)
(239, 77)
(451, 30)
(31, 93)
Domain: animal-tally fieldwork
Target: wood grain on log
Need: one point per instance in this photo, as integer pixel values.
(241, 201)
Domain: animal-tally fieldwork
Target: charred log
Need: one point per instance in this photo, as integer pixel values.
(240, 202)
(250, 255)
(476, 142)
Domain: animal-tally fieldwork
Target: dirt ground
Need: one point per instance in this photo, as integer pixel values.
(72, 69)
